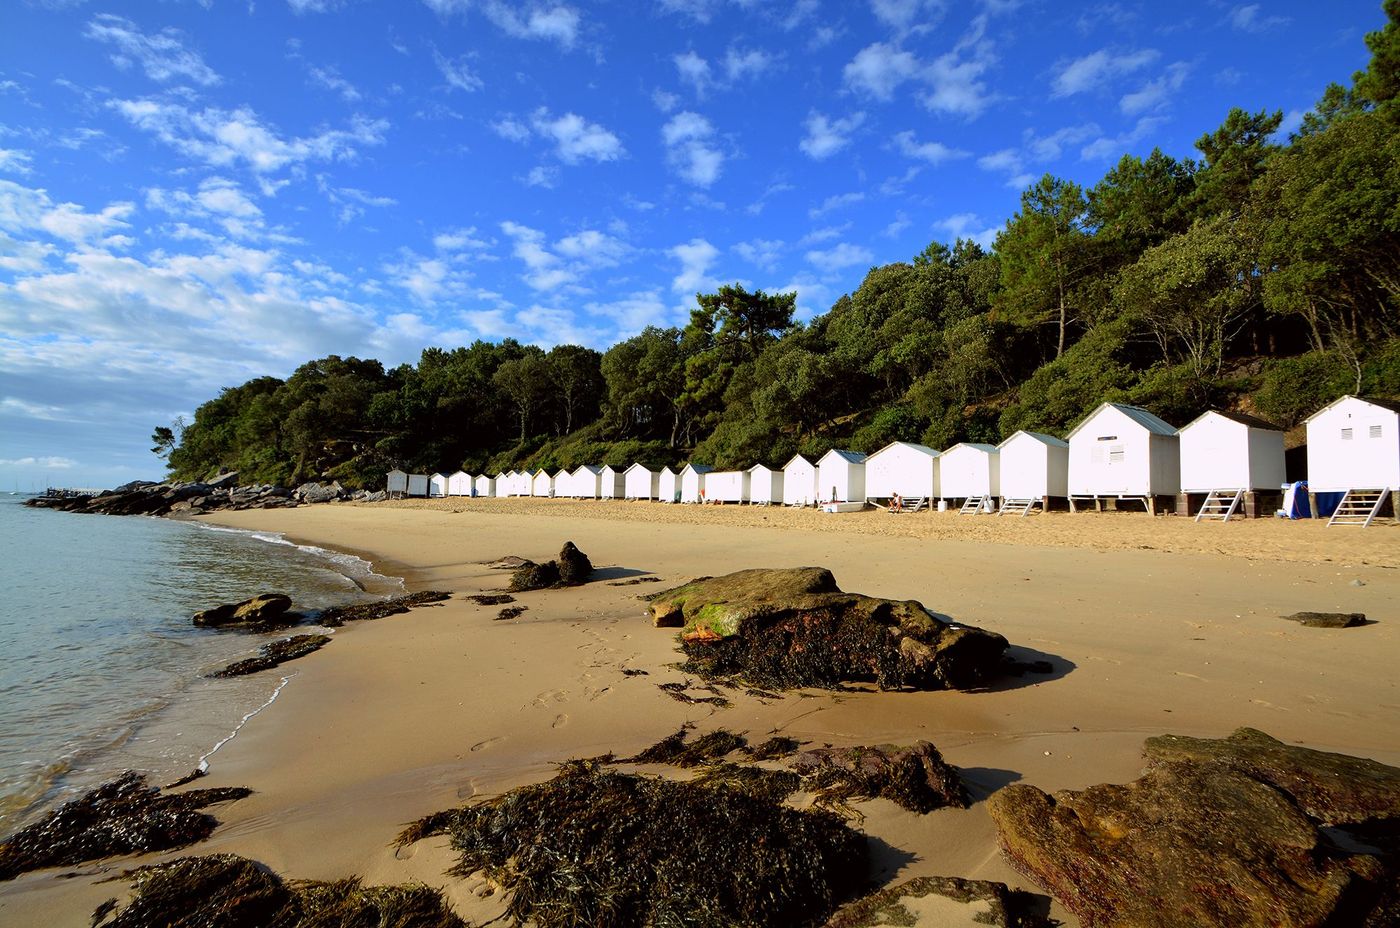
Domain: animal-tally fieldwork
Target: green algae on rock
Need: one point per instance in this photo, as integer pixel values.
(597, 849)
(1244, 832)
(227, 891)
(124, 816)
(794, 627)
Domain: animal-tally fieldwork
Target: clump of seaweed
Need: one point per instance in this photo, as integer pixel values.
(491, 599)
(124, 816)
(915, 777)
(774, 785)
(634, 581)
(572, 568)
(680, 693)
(510, 612)
(634, 672)
(360, 612)
(597, 849)
(674, 750)
(278, 652)
(233, 892)
(773, 748)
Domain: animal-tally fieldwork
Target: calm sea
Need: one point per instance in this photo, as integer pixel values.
(100, 668)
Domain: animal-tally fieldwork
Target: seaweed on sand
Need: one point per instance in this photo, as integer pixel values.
(674, 750)
(606, 850)
(773, 748)
(124, 816)
(360, 612)
(679, 692)
(511, 612)
(232, 892)
(915, 777)
(774, 785)
(278, 652)
(491, 599)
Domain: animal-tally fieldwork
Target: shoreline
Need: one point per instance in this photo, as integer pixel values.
(416, 713)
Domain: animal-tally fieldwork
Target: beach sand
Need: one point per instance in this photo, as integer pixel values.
(1152, 624)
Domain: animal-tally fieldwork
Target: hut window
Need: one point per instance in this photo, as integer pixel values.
(1115, 455)
(1375, 431)
(1346, 434)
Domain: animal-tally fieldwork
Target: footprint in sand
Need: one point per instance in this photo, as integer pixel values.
(1182, 673)
(560, 720)
(486, 744)
(1268, 705)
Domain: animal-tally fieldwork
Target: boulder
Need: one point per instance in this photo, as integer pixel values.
(378, 496)
(532, 576)
(224, 481)
(1328, 619)
(318, 493)
(915, 777)
(1213, 834)
(937, 901)
(574, 566)
(795, 627)
(263, 609)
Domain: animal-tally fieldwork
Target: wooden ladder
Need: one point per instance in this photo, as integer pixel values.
(1220, 504)
(972, 505)
(1017, 507)
(1358, 507)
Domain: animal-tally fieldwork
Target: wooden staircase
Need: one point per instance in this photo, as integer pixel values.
(973, 505)
(1358, 507)
(1220, 504)
(1017, 507)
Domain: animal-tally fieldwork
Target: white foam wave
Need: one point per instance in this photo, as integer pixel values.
(203, 765)
(354, 569)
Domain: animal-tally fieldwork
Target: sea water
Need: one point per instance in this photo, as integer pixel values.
(101, 669)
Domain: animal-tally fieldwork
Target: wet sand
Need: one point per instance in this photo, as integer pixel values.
(1152, 625)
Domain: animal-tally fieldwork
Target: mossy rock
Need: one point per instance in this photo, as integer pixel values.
(795, 627)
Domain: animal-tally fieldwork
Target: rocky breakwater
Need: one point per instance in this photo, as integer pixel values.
(1240, 832)
(147, 498)
(795, 627)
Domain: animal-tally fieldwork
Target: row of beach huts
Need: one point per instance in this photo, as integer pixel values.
(1221, 465)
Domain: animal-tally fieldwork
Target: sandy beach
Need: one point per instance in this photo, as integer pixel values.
(1152, 624)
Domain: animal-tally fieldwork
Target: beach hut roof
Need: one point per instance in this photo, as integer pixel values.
(1391, 405)
(907, 444)
(851, 457)
(976, 445)
(1141, 416)
(667, 470)
(439, 474)
(397, 471)
(1242, 418)
(1040, 437)
(636, 467)
(759, 467)
(797, 457)
(697, 468)
(593, 469)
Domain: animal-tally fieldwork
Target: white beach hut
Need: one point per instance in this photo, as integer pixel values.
(485, 486)
(725, 486)
(437, 485)
(668, 486)
(841, 477)
(1034, 469)
(970, 471)
(692, 481)
(1231, 464)
(1121, 453)
(611, 483)
(524, 483)
(502, 487)
(905, 468)
(586, 482)
(459, 484)
(799, 482)
(396, 483)
(1354, 448)
(763, 486)
(641, 482)
(542, 484)
(562, 481)
(417, 485)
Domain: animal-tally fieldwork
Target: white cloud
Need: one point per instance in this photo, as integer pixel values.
(1106, 148)
(542, 175)
(690, 149)
(594, 248)
(897, 226)
(1036, 149)
(901, 14)
(693, 70)
(25, 211)
(633, 312)
(1248, 19)
(740, 64)
(825, 137)
(664, 101)
(330, 79)
(1050, 147)
(568, 261)
(834, 202)
(15, 161)
(840, 256)
(1155, 93)
(1292, 122)
(1098, 68)
(699, 10)
(763, 253)
(695, 258)
(456, 72)
(970, 226)
(162, 56)
(1010, 162)
(51, 462)
(931, 152)
(879, 69)
(555, 22)
(511, 129)
(223, 138)
(575, 138)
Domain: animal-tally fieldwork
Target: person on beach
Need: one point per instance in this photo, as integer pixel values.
(896, 503)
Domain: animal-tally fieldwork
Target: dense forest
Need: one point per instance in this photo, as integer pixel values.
(1262, 276)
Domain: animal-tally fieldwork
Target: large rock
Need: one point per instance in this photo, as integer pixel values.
(1328, 619)
(224, 481)
(319, 493)
(263, 609)
(915, 777)
(1215, 834)
(574, 566)
(795, 627)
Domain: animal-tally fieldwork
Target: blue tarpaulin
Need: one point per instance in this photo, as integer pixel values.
(1295, 501)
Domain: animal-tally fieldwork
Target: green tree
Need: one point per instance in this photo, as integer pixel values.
(527, 384)
(578, 380)
(1044, 252)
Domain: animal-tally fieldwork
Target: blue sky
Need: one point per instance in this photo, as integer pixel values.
(196, 193)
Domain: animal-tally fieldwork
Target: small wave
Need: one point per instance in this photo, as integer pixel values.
(203, 765)
(351, 568)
